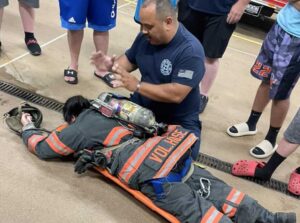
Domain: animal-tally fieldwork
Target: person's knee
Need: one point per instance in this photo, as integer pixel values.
(211, 61)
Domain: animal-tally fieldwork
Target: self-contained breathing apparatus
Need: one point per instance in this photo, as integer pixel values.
(139, 120)
(135, 117)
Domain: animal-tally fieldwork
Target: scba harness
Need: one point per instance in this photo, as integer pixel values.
(155, 160)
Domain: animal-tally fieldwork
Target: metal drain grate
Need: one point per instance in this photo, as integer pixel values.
(226, 167)
(203, 158)
(30, 96)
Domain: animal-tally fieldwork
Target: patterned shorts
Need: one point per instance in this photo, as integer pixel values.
(292, 134)
(278, 62)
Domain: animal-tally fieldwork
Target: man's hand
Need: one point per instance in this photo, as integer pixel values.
(236, 11)
(102, 62)
(26, 119)
(124, 79)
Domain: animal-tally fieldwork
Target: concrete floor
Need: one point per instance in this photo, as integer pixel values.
(34, 191)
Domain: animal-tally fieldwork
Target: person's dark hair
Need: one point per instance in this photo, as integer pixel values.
(164, 8)
(74, 106)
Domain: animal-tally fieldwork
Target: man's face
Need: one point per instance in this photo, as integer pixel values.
(153, 28)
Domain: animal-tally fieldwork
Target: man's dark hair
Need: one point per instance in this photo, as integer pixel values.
(163, 7)
(74, 106)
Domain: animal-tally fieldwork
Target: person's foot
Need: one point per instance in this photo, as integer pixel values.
(33, 46)
(71, 76)
(203, 102)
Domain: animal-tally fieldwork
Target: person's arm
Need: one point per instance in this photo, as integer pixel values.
(58, 144)
(105, 63)
(187, 72)
(237, 11)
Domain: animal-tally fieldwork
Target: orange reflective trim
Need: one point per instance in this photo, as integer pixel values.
(235, 196)
(212, 216)
(136, 159)
(33, 141)
(61, 127)
(115, 136)
(57, 146)
(175, 156)
(229, 210)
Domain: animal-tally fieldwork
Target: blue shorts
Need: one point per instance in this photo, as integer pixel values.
(100, 14)
(137, 11)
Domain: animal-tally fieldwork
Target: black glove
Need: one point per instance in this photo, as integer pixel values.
(88, 159)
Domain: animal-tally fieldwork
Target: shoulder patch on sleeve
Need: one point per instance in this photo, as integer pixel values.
(186, 74)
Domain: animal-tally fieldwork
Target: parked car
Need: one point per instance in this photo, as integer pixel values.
(264, 8)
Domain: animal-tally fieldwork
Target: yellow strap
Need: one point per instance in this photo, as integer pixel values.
(199, 165)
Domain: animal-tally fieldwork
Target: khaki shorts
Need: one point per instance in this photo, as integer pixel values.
(31, 3)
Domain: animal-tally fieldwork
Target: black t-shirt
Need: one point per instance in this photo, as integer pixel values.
(215, 7)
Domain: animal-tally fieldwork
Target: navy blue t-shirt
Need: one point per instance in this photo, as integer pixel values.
(215, 7)
(180, 61)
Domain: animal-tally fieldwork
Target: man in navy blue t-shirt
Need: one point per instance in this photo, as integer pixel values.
(212, 22)
(171, 63)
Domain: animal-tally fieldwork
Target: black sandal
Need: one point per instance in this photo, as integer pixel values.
(107, 78)
(71, 73)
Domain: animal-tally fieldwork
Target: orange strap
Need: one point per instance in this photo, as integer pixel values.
(139, 196)
(172, 160)
(137, 158)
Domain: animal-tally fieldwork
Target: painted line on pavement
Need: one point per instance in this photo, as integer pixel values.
(243, 52)
(247, 39)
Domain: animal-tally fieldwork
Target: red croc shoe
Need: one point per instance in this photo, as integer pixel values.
(246, 167)
(294, 183)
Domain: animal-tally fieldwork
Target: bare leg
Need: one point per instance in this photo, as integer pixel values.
(27, 16)
(286, 148)
(262, 98)
(278, 112)
(101, 40)
(212, 67)
(75, 38)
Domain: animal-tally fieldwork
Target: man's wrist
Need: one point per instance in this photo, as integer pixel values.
(138, 86)
(28, 126)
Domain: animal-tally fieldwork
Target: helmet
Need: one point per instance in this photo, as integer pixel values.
(13, 117)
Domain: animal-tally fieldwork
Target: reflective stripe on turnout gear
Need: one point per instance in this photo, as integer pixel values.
(212, 216)
(179, 152)
(156, 157)
(58, 146)
(234, 197)
(115, 136)
(134, 162)
(33, 141)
